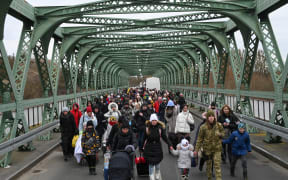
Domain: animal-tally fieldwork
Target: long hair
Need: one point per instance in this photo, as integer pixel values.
(222, 110)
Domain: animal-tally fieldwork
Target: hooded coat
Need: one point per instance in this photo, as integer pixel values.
(76, 113)
(153, 152)
(184, 156)
(112, 113)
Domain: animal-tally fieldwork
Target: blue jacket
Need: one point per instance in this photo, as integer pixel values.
(240, 143)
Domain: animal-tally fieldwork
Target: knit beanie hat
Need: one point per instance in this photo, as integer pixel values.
(153, 117)
(88, 109)
(125, 124)
(170, 103)
(241, 125)
(210, 113)
(65, 109)
(90, 123)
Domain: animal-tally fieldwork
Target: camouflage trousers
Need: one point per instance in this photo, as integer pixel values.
(216, 158)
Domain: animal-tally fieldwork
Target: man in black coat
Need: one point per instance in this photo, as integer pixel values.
(68, 130)
(123, 138)
(102, 121)
(141, 117)
(181, 101)
(162, 110)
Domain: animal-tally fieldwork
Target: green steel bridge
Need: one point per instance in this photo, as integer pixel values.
(98, 52)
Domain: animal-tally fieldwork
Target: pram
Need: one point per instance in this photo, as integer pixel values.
(120, 166)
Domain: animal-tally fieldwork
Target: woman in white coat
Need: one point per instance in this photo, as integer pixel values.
(184, 122)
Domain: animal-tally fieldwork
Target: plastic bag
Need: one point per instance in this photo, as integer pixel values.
(74, 140)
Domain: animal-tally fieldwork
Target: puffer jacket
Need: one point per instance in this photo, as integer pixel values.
(183, 122)
(171, 120)
(121, 140)
(240, 143)
(208, 138)
(184, 156)
(86, 118)
(153, 151)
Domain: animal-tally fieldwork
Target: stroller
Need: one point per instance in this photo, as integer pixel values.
(120, 166)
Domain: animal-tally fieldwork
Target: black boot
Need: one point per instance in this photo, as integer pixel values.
(201, 164)
(232, 174)
(90, 171)
(94, 171)
(65, 158)
(245, 175)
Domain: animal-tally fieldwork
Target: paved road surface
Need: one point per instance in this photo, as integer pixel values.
(53, 167)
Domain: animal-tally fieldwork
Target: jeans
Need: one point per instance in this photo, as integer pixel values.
(141, 139)
(151, 168)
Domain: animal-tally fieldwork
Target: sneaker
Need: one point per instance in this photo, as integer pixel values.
(157, 175)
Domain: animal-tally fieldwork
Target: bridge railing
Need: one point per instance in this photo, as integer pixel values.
(33, 112)
(262, 104)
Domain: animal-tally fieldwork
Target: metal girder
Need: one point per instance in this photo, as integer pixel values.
(109, 7)
(105, 51)
(3, 12)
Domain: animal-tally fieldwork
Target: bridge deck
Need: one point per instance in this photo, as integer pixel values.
(53, 167)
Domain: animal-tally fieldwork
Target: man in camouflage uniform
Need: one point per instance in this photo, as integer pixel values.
(209, 139)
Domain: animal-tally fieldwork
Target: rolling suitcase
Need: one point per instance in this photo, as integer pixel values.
(142, 166)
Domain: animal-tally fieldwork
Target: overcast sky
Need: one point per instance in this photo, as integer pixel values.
(279, 20)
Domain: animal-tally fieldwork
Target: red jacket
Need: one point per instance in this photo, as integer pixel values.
(77, 114)
(156, 106)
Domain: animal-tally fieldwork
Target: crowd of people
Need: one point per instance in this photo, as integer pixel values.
(138, 121)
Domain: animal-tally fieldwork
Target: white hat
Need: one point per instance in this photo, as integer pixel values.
(184, 144)
(153, 117)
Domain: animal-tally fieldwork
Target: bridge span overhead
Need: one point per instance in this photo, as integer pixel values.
(190, 45)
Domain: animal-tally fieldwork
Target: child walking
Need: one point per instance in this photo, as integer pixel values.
(240, 141)
(90, 145)
(184, 152)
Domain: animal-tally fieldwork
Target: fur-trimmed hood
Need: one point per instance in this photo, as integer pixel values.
(112, 103)
(148, 123)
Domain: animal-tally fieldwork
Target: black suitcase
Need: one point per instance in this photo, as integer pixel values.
(142, 166)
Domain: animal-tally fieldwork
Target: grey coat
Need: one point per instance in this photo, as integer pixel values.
(171, 120)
